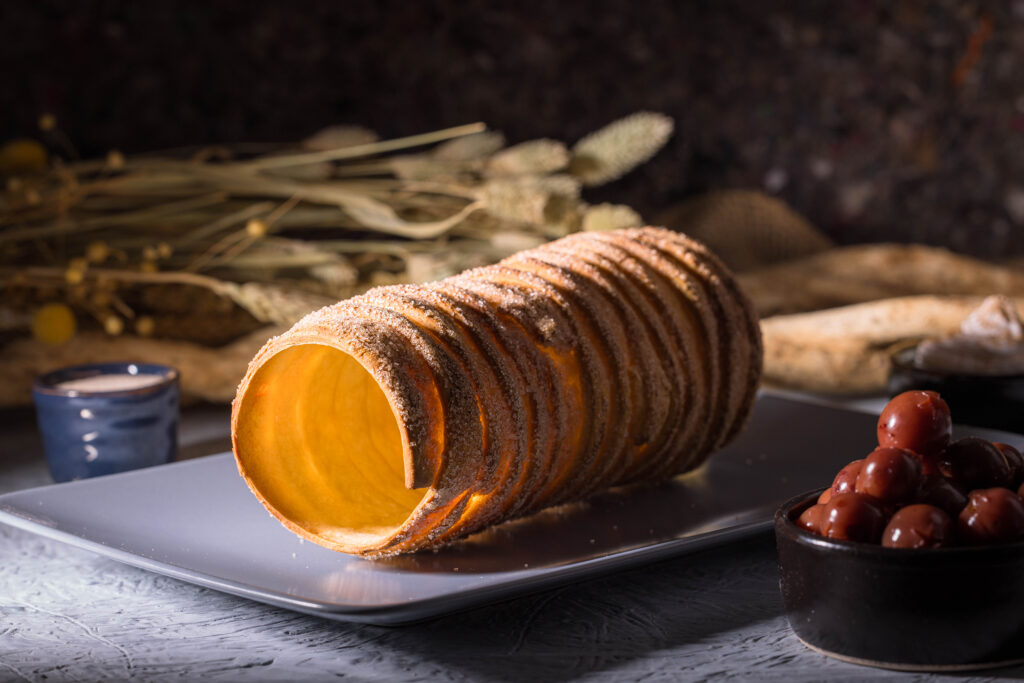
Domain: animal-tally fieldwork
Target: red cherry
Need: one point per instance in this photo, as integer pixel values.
(916, 420)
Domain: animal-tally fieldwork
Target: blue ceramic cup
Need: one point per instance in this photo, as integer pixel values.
(106, 418)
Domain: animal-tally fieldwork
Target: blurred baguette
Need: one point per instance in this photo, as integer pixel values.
(850, 275)
(847, 350)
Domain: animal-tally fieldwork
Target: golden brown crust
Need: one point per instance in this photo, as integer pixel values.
(534, 343)
(677, 299)
(649, 388)
(656, 355)
(597, 360)
(729, 351)
(507, 421)
(526, 291)
(607, 337)
(492, 413)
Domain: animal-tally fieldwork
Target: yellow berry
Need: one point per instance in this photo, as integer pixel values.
(149, 253)
(113, 325)
(256, 228)
(164, 250)
(47, 121)
(22, 156)
(53, 324)
(145, 326)
(115, 160)
(75, 272)
(97, 252)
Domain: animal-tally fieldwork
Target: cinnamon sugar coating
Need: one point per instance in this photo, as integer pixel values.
(597, 360)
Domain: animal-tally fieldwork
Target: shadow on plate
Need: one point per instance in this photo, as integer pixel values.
(617, 520)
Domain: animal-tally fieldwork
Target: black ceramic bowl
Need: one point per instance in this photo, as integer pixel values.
(934, 609)
(995, 401)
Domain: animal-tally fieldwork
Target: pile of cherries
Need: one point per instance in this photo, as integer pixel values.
(919, 489)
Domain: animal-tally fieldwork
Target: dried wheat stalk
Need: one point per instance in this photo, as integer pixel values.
(282, 231)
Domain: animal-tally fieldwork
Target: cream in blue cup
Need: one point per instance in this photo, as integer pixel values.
(107, 417)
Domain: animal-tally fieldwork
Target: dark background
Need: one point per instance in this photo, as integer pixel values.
(879, 120)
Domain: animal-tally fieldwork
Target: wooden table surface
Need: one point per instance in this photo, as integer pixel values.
(69, 615)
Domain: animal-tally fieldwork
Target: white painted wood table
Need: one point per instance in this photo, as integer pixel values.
(69, 615)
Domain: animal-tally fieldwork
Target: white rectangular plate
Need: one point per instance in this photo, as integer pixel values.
(198, 522)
